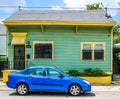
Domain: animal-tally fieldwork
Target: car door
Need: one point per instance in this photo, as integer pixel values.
(54, 80)
(35, 78)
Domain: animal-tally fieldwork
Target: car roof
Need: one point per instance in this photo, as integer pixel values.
(43, 67)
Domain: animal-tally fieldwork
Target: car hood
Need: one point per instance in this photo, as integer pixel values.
(75, 78)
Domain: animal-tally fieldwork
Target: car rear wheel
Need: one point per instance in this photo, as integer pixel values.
(74, 90)
(22, 89)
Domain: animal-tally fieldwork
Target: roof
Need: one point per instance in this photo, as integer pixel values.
(61, 15)
(2, 30)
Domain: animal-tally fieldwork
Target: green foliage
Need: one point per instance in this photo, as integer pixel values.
(94, 6)
(3, 58)
(116, 29)
(73, 72)
(116, 34)
(88, 72)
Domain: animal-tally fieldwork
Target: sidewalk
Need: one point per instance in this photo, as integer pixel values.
(109, 87)
(1, 83)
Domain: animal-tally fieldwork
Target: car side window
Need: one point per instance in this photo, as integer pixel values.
(52, 73)
(34, 71)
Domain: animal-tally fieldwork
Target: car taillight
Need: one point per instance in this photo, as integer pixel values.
(8, 78)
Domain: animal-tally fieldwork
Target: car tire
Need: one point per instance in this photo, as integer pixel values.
(22, 89)
(74, 90)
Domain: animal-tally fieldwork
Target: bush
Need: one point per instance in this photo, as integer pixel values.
(97, 72)
(73, 72)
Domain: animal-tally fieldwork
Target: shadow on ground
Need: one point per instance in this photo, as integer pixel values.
(50, 94)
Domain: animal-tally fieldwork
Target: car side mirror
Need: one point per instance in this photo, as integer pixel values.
(61, 76)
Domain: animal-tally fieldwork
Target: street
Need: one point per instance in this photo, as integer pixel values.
(6, 93)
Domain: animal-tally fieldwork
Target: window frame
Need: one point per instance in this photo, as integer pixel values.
(48, 42)
(93, 50)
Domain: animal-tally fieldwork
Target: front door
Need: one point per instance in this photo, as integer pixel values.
(19, 57)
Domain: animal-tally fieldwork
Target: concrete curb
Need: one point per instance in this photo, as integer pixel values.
(2, 84)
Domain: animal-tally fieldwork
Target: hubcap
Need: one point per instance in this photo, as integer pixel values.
(22, 89)
(75, 90)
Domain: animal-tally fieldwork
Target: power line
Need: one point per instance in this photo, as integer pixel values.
(44, 7)
(48, 8)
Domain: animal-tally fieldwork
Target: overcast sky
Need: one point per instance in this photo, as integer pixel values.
(6, 6)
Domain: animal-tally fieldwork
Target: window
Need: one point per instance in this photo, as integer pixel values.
(98, 52)
(93, 50)
(43, 50)
(52, 73)
(34, 71)
(87, 52)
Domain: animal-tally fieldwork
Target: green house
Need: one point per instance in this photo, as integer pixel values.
(66, 39)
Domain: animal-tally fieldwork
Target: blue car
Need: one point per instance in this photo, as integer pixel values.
(45, 78)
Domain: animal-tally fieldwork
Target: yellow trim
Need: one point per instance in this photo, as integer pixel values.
(25, 22)
(19, 34)
(76, 30)
(18, 38)
(42, 28)
(51, 42)
(108, 73)
(93, 47)
(99, 80)
(112, 48)
(7, 39)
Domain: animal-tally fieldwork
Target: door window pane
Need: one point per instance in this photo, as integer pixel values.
(52, 72)
(35, 71)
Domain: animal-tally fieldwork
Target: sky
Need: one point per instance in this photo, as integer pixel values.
(8, 7)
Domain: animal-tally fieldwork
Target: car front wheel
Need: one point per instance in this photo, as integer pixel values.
(74, 90)
(22, 89)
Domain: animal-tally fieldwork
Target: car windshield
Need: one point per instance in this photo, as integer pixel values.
(62, 72)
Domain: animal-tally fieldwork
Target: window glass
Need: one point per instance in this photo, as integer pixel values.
(86, 52)
(43, 50)
(87, 46)
(98, 52)
(98, 46)
(93, 51)
(34, 71)
(52, 72)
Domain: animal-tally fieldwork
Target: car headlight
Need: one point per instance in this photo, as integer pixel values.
(86, 81)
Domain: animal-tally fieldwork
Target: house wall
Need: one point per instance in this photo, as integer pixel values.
(2, 44)
(67, 45)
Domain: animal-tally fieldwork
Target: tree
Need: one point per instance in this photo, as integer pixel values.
(116, 30)
(94, 6)
(116, 34)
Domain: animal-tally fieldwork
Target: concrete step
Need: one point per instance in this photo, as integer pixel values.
(115, 82)
(116, 77)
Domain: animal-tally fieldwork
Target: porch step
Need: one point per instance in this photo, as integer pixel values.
(116, 77)
(115, 82)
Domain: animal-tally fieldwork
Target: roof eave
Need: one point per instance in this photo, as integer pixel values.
(58, 23)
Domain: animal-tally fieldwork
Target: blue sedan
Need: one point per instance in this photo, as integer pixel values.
(45, 78)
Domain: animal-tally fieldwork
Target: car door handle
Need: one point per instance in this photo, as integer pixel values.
(30, 76)
(48, 78)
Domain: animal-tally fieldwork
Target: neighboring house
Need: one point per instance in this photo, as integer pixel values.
(116, 62)
(2, 47)
(69, 40)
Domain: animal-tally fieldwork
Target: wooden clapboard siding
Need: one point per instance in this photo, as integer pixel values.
(67, 45)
